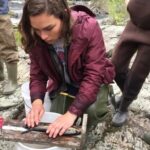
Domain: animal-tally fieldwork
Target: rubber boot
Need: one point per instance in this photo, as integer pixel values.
(118, 102)
(1, 71)
(121, 115)
(11, 85)
(115, 101)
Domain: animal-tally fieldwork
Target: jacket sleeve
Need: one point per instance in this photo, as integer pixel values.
(94, 71)
(38, 79)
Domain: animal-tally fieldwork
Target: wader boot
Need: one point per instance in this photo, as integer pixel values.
(11, 85)
(97, 112)
(122, 113)
(1, 71)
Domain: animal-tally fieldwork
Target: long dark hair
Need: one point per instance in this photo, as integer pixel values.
(58, 8)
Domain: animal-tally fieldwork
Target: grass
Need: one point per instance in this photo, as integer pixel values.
(118, 12)
(17, 37)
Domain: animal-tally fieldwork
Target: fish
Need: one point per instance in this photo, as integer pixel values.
(40, 128)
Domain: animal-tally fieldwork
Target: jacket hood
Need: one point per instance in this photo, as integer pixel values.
(83, 9)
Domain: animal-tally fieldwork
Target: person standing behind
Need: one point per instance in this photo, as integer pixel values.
(8, 50)
(134, 39)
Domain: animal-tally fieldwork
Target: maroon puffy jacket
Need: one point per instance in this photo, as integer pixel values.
(87, 65)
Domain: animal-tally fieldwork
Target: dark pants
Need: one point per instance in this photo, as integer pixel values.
(131, 79)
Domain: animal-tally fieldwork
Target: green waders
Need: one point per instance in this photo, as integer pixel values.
(97, 112)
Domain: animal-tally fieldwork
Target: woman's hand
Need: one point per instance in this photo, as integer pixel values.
(35, 114)
(61, 124)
